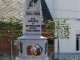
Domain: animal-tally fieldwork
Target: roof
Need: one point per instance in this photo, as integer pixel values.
(45, 11)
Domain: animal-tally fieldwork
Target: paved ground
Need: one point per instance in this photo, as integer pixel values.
(6, 57)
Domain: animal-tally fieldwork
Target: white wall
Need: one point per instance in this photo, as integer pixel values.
(67, 9)
(70, 9)
(78, 9)
(64, 8)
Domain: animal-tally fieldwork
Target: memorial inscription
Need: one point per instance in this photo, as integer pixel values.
(32, 13)
(32, 27)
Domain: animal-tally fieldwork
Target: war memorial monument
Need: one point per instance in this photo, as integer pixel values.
(32, 46)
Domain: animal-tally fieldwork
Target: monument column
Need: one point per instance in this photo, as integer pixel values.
(32, 17)
(32, 46)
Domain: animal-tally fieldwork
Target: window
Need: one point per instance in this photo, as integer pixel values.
(50, 42)
(77, 42)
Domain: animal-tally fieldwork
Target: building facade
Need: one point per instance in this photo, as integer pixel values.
(62, 9)
(59, 9)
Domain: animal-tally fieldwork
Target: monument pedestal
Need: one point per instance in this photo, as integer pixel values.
(32, 47)
(31, 58)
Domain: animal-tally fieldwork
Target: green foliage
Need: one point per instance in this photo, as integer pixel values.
(58, 29)
(10, 28)
(75, 58)
(50, 29)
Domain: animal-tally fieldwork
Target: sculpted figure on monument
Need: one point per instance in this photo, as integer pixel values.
(34, 51)
(28, 50)
(32, 3)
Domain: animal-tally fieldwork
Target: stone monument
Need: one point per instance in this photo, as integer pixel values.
(32, 46)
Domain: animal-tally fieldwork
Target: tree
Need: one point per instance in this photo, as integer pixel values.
(11, 29)
(58, 29)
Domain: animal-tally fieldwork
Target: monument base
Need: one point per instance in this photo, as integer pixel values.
(32, 47)
(32, 58)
